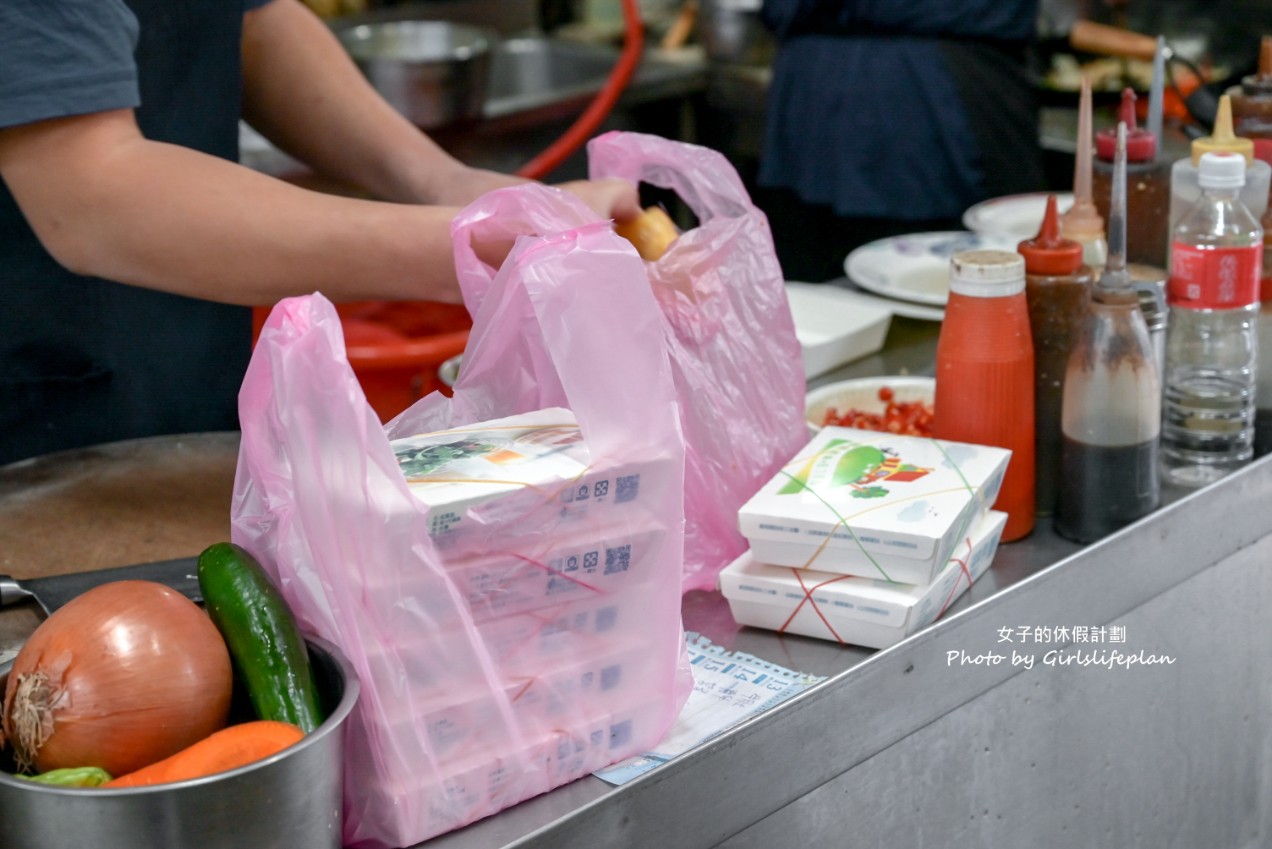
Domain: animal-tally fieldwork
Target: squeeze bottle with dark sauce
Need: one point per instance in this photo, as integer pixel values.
(1147, 187)
(1111, 411)
(1057, 288)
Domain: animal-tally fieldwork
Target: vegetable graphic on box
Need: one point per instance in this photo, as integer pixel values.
(419, 461)
(842, 463)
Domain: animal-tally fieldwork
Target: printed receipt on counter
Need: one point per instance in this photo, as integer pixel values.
(728, 689)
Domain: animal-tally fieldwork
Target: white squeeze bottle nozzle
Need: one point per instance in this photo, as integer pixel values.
(1115, 275)
(1083, 222)
(1156, 93)
(1184, 187)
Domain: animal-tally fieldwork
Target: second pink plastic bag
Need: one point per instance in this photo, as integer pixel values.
(725, 323)
(728, 329)
(465, 711)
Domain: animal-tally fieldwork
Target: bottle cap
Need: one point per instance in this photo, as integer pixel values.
(1261, 82)
(987, 273)
(1048, 253)
(1141, 145)
(1114, 295)
(1221, 171)
(1222, 139)
(1083, 220)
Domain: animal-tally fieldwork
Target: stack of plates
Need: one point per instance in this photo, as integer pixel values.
(910, 273)
(1014, 217)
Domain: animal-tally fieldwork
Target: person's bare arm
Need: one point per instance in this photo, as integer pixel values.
(107, 202)
(303, 93)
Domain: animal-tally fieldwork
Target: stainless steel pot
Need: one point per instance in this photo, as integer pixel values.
(731, 32)
(436, 73)
(292, 799)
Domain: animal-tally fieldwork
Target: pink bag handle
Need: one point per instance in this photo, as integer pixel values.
(702, 177)
(531, 209)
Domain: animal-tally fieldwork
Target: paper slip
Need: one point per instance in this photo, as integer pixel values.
(728, 689)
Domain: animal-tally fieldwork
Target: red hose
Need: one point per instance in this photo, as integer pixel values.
(597, 111)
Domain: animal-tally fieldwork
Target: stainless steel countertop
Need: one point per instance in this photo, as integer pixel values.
(714, 791)
(652, 811)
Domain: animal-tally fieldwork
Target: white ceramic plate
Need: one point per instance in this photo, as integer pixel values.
(915, 267)
(833, 326)
(863, 394)
(1013, 217)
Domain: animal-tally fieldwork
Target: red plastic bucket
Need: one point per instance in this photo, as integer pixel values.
(397, 347)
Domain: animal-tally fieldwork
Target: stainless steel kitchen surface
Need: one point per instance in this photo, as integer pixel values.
(904, 741)
(538, 86)
(896, 747)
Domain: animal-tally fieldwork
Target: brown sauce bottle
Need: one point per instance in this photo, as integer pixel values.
(1147, 187)
(1057, 288)
(1252, 104)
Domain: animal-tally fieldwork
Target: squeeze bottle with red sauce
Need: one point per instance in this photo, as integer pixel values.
(1057, 288)
(1147, 187)
(1083, 222)
(985, 373)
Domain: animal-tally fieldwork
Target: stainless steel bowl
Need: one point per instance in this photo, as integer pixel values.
(292, 799)
(436, 73)
(732, 33)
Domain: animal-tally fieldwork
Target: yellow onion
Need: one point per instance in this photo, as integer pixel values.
(124, 675)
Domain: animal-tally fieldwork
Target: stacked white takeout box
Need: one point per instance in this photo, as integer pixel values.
(539, 653)
(865, 537)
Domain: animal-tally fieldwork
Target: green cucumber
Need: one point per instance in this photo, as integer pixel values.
(260, 631)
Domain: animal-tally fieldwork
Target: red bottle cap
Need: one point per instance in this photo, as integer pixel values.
(1048, 253)
(1141, 145)
(1260, 82)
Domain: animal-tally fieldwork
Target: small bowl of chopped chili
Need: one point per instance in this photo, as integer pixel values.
(891, 404)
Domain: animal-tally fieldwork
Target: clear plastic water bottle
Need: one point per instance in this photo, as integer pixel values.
(1211, 344)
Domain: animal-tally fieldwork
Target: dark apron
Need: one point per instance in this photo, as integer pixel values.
(86, 361)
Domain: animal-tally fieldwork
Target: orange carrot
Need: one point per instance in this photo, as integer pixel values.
(235, 746)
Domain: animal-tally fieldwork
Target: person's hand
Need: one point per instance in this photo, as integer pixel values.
(610, 198)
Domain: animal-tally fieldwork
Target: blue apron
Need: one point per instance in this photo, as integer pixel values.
(86, 361)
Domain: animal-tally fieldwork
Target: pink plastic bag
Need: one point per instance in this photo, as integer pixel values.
(728, 328)
(468, 704)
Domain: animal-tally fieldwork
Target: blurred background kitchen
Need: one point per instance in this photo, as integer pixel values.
(707, 65)
(520, 85)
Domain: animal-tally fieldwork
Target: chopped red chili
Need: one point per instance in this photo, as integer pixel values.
(909, 418)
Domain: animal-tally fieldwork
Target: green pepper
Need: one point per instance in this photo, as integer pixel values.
(71, 776)
(260, 631)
